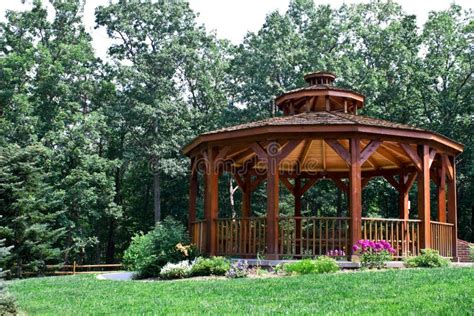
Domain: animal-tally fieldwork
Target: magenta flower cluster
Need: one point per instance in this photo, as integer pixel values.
(370, 246)
(335, 253)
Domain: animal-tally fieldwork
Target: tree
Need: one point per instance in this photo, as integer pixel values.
(167, 85)
(7, 303)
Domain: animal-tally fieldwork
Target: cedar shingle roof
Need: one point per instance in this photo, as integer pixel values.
(318, 118)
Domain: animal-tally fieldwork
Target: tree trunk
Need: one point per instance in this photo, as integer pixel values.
(157, 196)
(110, 252)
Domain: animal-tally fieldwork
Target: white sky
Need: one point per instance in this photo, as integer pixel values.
(232, 19)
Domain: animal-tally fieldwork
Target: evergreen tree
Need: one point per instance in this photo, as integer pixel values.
(7, 303)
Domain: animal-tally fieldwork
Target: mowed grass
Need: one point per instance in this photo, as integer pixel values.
(416, 291)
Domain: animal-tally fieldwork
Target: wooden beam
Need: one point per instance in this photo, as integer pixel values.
(442, 194)
(288, 185)
(394, 183)
(382, 150)
(452, 208)
(369, 150)
(448, 166)
(272, 207)
(339, 149)
(355, 193)
(432, 156)
(424, 210)
(193, 192)
(287, 149)
(259, 151)
(411, 153)
(304, 152)
(222, 152)
(246, 196)
(297, 194)
(308, 185)
(256, 182)
(211, 201)
(341, 185)
(239, 181)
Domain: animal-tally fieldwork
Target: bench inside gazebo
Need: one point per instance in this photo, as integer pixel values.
(321, 136)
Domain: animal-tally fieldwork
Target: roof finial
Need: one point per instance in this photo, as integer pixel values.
(320, 77)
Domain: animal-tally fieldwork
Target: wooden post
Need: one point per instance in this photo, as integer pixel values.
(452, 208)
(211, 201)
(74, 267)
(297, 195)
(442, 194)
(424, 197)
(246, 195)
(193, 191)
(403, 198)
(355, 192)
(272, 203)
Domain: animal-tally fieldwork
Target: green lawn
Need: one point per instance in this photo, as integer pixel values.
(416, 291)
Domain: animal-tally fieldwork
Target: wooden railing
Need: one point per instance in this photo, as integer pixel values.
(198, 234)
(312, 236)
(442, 238)
(403, 235)
(241, 236)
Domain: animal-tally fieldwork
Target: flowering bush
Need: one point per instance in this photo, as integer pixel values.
(336, 254)
(373, 254)
(238, 269)
(178, 270)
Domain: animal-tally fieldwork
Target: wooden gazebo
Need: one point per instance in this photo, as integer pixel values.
(321, 136)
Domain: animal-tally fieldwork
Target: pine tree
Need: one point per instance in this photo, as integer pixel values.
(7, 303)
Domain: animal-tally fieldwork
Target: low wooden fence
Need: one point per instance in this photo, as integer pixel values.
(403, 235)
(442, 238)
(313, 236)
(65, 269)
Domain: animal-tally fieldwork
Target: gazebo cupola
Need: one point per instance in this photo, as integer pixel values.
(320, 95)
(322, 137)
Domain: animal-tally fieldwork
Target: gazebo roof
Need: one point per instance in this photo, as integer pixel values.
(318, 118)
(321, 111)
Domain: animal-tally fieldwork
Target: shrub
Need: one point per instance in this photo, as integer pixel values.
(322, 264)
(373, 254)
(148, 253)
(429, 258)
(7, 302)
(178, 270)
(239, 269)
(471, 251)
(210, 266)
(326, 264)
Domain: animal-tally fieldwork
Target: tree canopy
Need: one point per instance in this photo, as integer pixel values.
(90, 149)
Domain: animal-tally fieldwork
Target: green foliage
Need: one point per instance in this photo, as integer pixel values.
(210, 266)
(375, 260)
(429, 258)
(7, 302)
(178, 270)
(322, 264)
(28, 221)
(471, 252)
(108, 134)
(148, 253)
